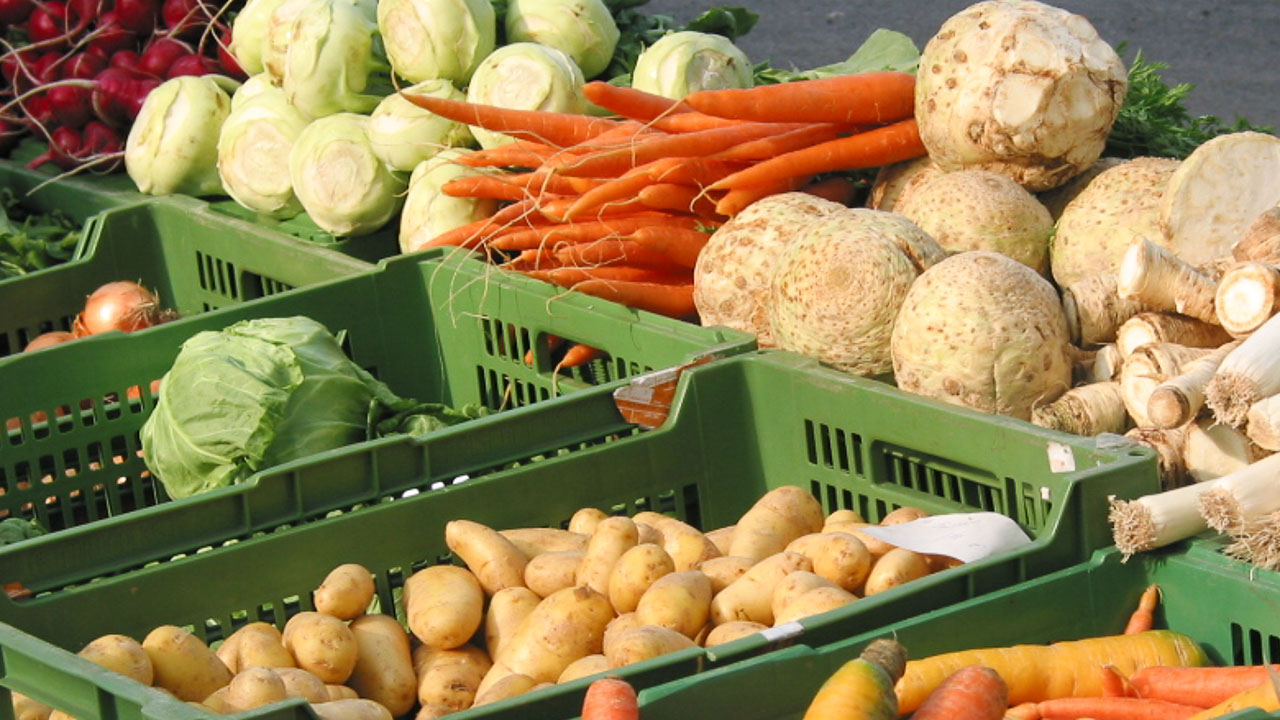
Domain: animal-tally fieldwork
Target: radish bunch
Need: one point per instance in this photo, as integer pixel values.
(84, 67)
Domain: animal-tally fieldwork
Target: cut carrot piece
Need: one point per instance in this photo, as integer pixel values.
(1142, 617)
(578, 355)
(871, 97)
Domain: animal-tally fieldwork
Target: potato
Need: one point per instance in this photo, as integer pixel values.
(60, 715)
(121, 654)
(340, 692)
(750, 597)
(843, 516)
(322, 645)
(255, 644)
(793, 586)
(566, 625)
(551, 571)
(679, 601)
(894, 568)
(384, 668)
(183, 664)
(584, 666)
(433, 711)
(648, 534)
(351, 709)
(532, 542)
(778, 517)
(218, 702)
(300, 683)
(938, 563)
(730, 631)
(722, 538)
(645, 642)
(585, 520)
(444, 605)
(495, 560)
(449, 678)
(837, 556)
(509, 686)
(346, 592)
(613, 537)
(508, 608)
(24, 708)
(722, 571)
(616, 627)
(634, 572)
(255, 687)
(906, 513)
(686, 544)
(818, 600)
(874, 545)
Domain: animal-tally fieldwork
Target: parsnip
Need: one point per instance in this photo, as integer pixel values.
(1147, 367)
(1178, 399)
(1153, 275)
(1247, 296)
(1155, 327)
(1085, 410)
(1167, 444)
(1261, 240)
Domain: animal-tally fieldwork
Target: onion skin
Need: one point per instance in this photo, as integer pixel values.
(49, 339)
(122, 305)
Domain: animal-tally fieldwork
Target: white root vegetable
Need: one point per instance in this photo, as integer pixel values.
(1095, 310)
(1251, 493)
(1217, 191)
(1107, 363)
(1261, 240)
(1247, 296)
(1154, 521)
(1085, 410)
(1247, 374)
(1263, 426)
(1146, 368)
(1211, 450)
(1055, 200)
(1082, 365)
(1156, 327)
(1178, 399)
(1153, 275)
(1168, 447)
(1257, 542)
(894, 181)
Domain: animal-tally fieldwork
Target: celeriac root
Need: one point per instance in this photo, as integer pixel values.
(1247, 374)
(1247, 295)
(1151, 327)
(1085, 410)
(1168, 446)
(1261, 240)
(1211, 450)
(1148, 366)
(1177, 400)
(1095, 310)
(1263, 426)
(1153, 275)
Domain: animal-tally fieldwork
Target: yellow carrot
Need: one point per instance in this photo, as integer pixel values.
(1035, 673)
(1262, 697)
(862, 689)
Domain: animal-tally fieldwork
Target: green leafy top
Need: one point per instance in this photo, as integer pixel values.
(882, 50)
(31, 241)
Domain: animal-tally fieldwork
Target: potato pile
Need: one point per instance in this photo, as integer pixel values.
(531, 607)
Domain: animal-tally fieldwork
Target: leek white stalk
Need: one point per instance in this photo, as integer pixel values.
(1211, 450)
(1154, 521)
(1153, 327)
(1153, 275)
(1147, 367)
(1252, 492)
(1263, 426)
(1085, 410)
(1247, 296)
(1180, 398)
(1168, 447)
(1095, 309)
(1247, 374)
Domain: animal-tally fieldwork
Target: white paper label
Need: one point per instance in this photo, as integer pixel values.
(963, 536)
(1061, 458)
(782, 632)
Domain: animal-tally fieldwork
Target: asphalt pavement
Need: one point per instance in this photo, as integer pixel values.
(1229, 50)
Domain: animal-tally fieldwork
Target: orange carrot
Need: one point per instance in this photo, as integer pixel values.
(551, 341)
(474, 233)
(558, 234)
(687, 122)
(1113, 708)
(974, 692)
(623, 252)
(571, 277)
(552, 128)
(1025, 711)
(577, 355)
(555, 208)
(1113, 683)
(734, 201)
(774, 145)
(836, 188)
(611, 163)
(675, 301)
(882, 146)
(625, 134)
(700, 171)
(679, 198)
(626, 187)
(610, 698)
(520, 153)
(681, 245)
(539, 182)
(871, 97)
(1265, 696)
(1142, 617)
(630, 102)
(484, 186)
(1203, 686)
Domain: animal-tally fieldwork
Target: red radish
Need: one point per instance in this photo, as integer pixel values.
(15, 67)
(15, 12)
(71, 106)
(122, 305)
(46, 68)
(125, 60)
(160, 53)
(138, 16)
(117, 94)
(64, 149)
(47, 25)
(230, 66)
(184, 18)
(193, 65)
(110, 35)
(37, 113)
(84, 65)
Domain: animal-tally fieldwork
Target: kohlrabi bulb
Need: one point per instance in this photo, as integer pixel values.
(685, 62)
(429, 39)
(343, 185)
(428, 212)
(253, 152)
(582, 29)
(172, 146)
(404, 135)
(526, 76)
(336, 62)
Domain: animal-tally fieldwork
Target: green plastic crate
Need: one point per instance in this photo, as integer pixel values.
(383, 243)
(196, 261)
(1224, 604)
(437, 327)
(739, 426)
(79, 195)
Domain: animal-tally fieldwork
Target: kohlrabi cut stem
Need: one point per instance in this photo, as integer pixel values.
(1153, 275)
(1085, 410)
(1177, 400)
(1247, 296)
(1247, 374)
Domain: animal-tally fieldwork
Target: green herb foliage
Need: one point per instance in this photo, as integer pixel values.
(1154, 122)
(32, 241)
(14, 530)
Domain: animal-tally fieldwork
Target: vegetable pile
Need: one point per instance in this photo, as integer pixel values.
(31, 241)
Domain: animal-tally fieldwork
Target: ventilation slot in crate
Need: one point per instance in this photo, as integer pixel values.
(834, 448)
(929, 477)
(1253, 647)
(217, 276)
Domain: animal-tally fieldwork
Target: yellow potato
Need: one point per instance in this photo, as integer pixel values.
(634, 572)
(384, 668)
(495, 560)
(444, 605)
(24, 708)
(875, 546)
(566, 625)
(341, 692)
(722, 538)
(551, 571)
(686, 544)
(585, 520)
(837, 556)
(730, 631)
(793, 586)
(679, 601)
(645, 642)
(843, 516)
(585, 666)
(433, 711)
(449, 678)
(218, 702)
(613, 537)
(813, 602)
(322, 645)
(778, 517)
(351, 709)
(616, 627)
(938, 563)
(906, 513)
(509, 686)
(346, 592)
(648, 534)
(532, 542)
(300, 683)
(59, 715)
(254, 687)
(497, 671)
(722, 571)
(508, 608)
(183, 664)
(255, 644)
(750, 597)
(121, 654)
(894, 568)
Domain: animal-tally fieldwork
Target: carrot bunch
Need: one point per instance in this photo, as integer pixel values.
(619, 207)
